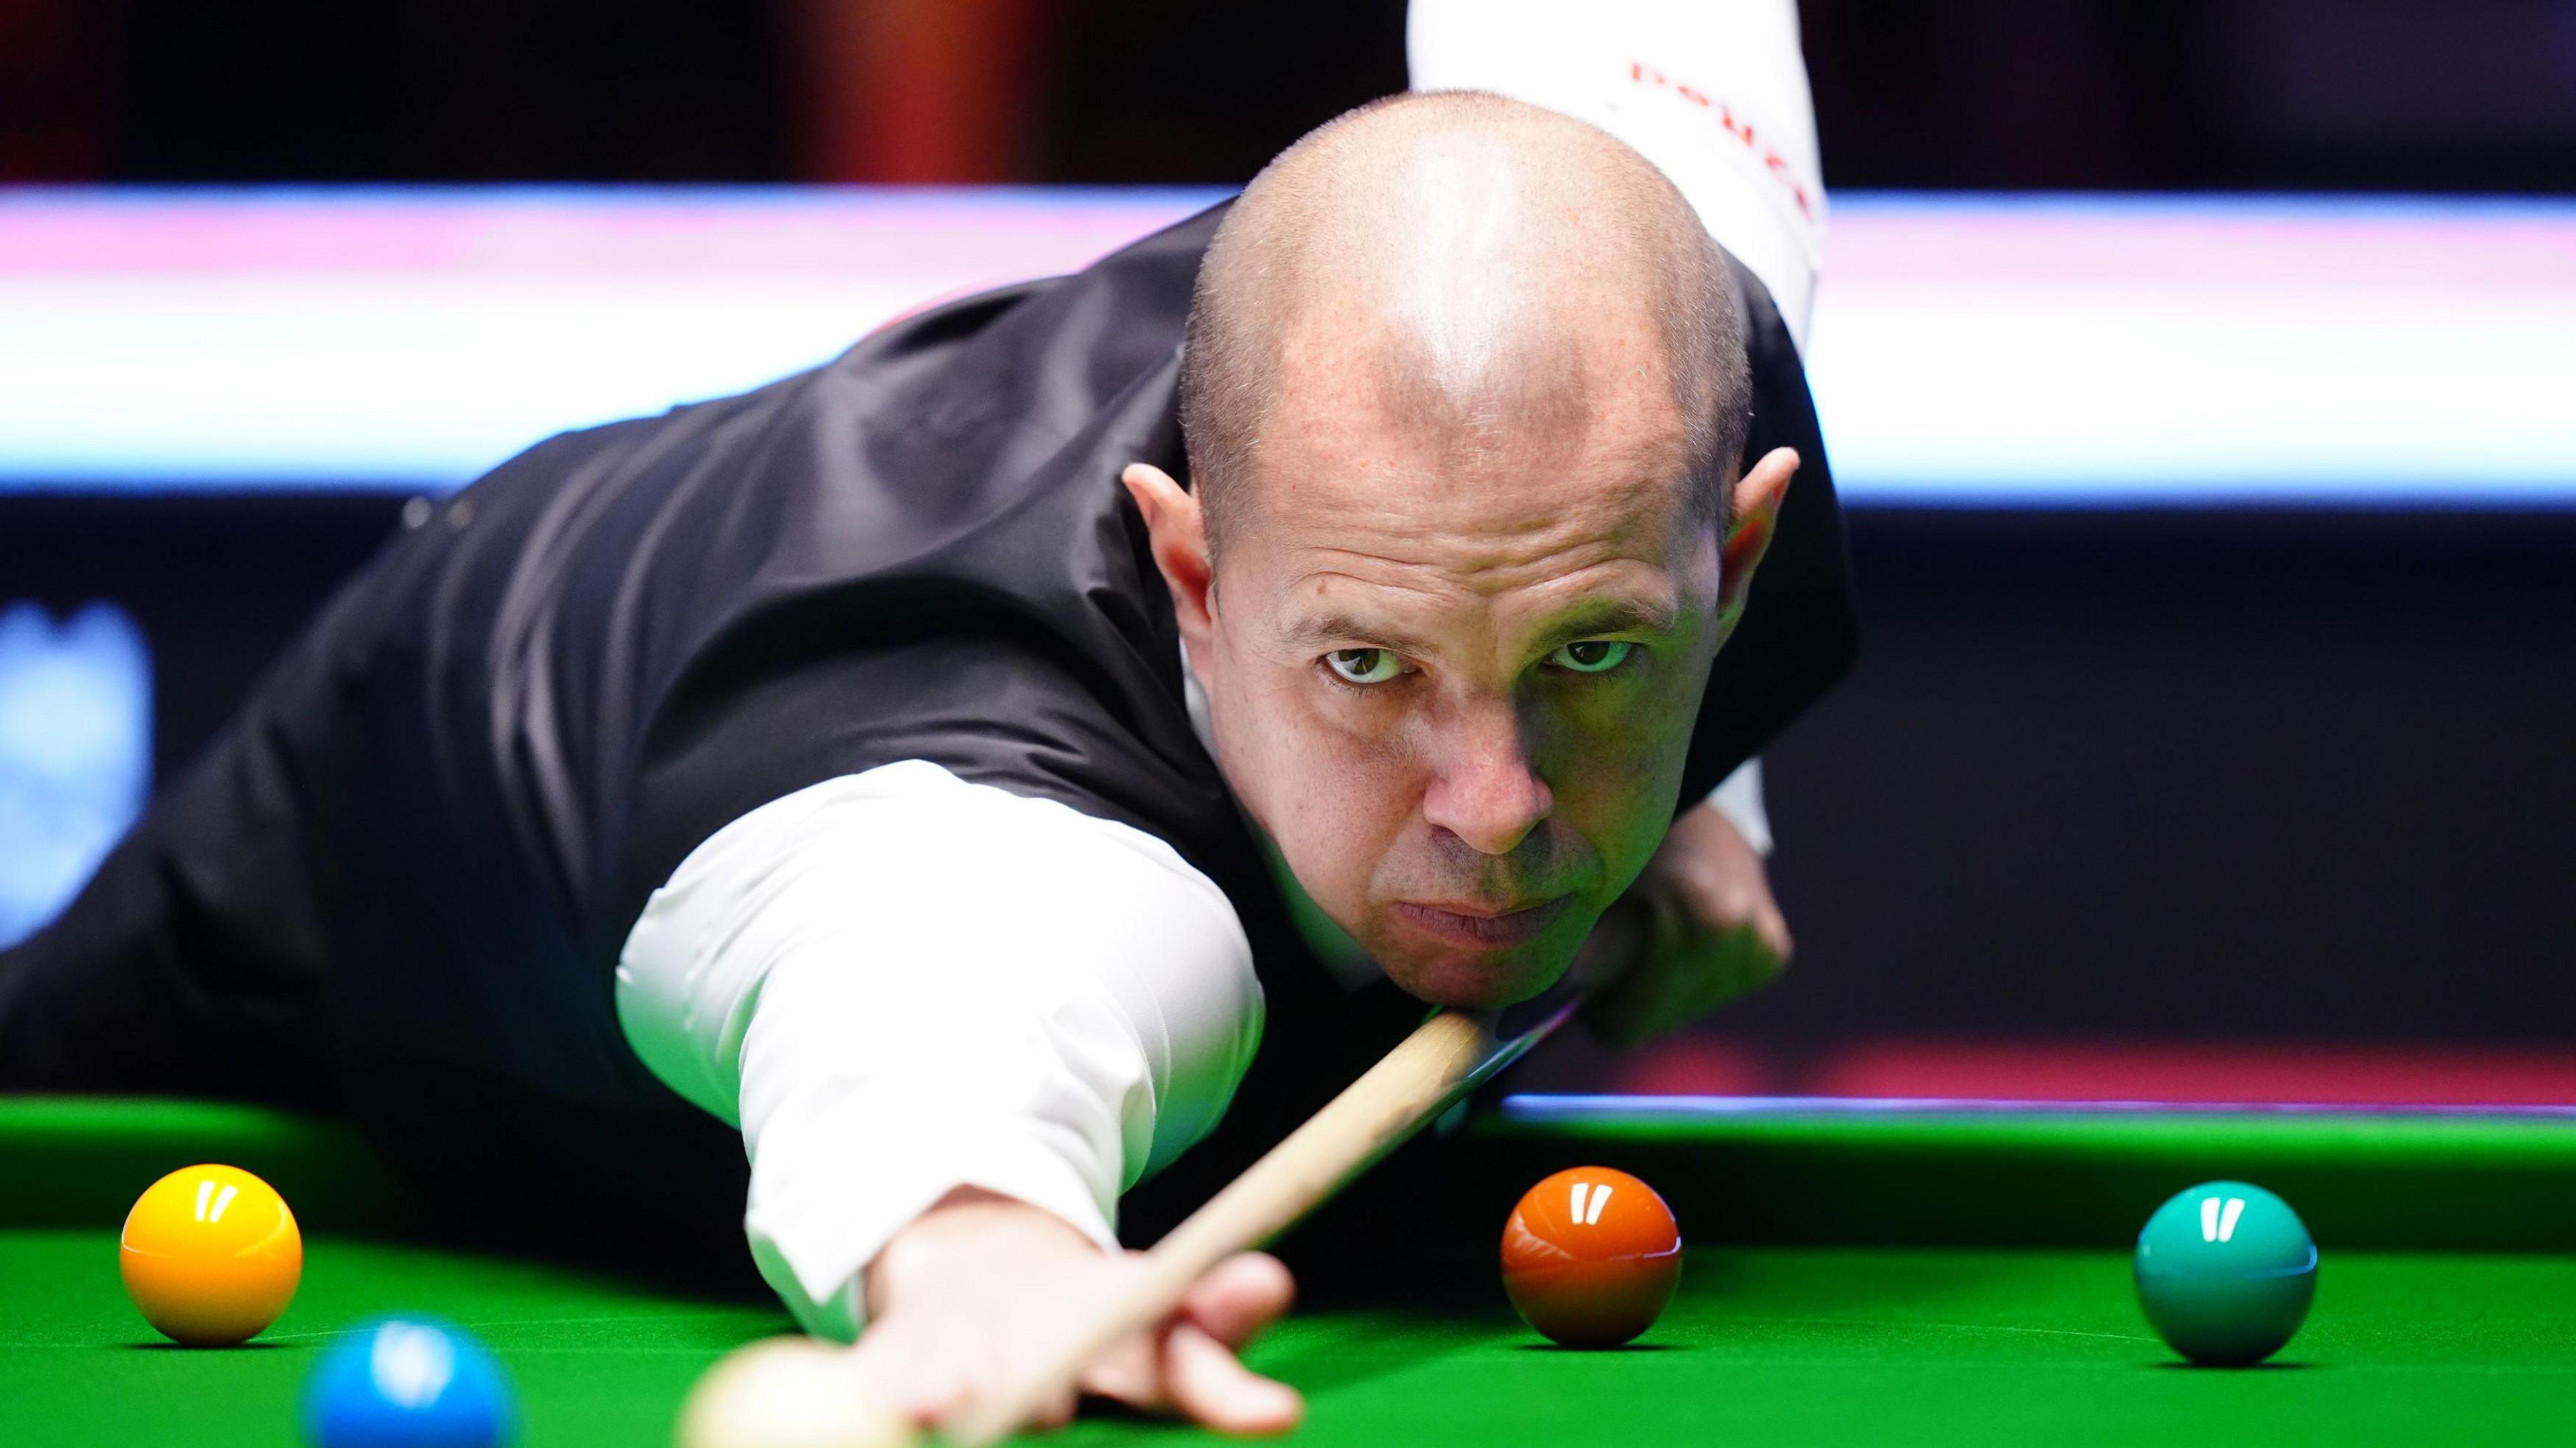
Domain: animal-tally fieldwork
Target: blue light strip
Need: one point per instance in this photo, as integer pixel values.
(1968, 351)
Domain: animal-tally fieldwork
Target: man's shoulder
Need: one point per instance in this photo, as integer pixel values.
(919, 551)
(1056, 348)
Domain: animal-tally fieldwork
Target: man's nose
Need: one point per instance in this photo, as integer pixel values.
(1485, 789)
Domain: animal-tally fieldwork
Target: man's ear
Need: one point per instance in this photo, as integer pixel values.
(1757, 517)
(1176, 530)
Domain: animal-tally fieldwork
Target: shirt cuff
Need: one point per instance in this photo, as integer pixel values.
(1739, 798)
(878, 1166)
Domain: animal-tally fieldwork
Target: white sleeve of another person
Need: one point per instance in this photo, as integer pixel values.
(898, 983)
(1714, 92)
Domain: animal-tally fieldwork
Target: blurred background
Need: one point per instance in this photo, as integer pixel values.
(2450, 96)
(2201, 376)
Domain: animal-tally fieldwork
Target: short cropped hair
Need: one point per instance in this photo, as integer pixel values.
(1278, 236)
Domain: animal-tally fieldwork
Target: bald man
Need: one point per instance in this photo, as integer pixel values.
(946, 767)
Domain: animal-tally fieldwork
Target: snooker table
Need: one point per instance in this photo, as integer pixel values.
(1886, 1273)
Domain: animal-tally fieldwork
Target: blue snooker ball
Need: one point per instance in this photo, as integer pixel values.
(408, 1382)
(2226, 1271)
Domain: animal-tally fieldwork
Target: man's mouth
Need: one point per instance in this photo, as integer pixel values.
(1480, 927)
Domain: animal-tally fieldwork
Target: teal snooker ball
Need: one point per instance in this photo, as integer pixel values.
(2226, 1271)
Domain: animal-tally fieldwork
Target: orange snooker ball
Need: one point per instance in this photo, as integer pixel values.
(210, 1255)
(1591, 1256)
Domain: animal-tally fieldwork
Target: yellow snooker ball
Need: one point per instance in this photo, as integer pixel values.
(210, 1255)
(787, 1392)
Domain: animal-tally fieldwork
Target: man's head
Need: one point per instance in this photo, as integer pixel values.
(1464, 393)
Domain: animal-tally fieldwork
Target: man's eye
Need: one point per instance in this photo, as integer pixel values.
(1591, 656)
(1364, 666)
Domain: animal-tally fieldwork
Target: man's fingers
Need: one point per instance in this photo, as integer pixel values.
(1230, 1305)
(1239, 1297)
(1722, 893)
(1773, 927)
(1691, 970)
(1736, 906)
(1056, 1411)
(1209, 1385)
(922, 1387)
(1130, 1373)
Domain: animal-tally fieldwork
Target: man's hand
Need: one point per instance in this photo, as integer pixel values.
(1711, 933)
(968, 1300)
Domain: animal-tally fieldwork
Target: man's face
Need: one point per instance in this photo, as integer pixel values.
(1454, 678)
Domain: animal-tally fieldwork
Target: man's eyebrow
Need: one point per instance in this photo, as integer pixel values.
(1601, 616)
(1590, 619)
(1319, 630)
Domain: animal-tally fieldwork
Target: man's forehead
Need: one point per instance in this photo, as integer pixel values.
(1610, 596)
(1532, 362)
(1471, 508)
(1543, 543)
(1353, 428)
(1369, 472)
(1474, 531)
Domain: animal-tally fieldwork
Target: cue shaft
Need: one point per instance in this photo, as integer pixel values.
(1391, 1101)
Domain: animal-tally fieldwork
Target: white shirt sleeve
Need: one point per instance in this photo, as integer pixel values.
(898, 983)
(1714, 92)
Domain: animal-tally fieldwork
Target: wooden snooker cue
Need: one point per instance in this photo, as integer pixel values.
(1429, 1071)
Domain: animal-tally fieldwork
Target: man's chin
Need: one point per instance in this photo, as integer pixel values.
(1479, 980)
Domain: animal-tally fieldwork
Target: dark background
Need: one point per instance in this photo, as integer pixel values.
(2213, 775)
(2413, 95)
